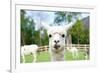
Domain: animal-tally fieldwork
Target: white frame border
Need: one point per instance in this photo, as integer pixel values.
(16, 67)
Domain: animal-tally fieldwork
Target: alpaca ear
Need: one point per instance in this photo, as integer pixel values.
(45, 26)
(68, 26)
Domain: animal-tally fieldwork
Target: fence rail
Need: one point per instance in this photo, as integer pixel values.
(78, 46)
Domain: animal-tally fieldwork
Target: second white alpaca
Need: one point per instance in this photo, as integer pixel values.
(74, 51)
(29, 49)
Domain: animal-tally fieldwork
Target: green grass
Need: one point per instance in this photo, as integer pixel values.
(45, 57)
(68, 56)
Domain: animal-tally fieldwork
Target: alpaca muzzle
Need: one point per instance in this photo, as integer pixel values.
(56, 46)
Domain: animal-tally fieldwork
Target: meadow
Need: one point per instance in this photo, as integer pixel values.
(45, 57)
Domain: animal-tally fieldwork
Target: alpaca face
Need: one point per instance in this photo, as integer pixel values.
(56, 36)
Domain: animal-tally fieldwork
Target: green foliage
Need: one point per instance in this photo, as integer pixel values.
(45, 40)
(80, 35)
(27, 29)
(60, 17)
(28, 33)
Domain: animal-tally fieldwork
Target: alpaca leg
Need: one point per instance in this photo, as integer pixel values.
(23, 58)
(86, 56)
(76, 55)
(35, 56)
(73, 55)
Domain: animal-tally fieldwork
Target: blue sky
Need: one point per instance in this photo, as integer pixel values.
(47, 17)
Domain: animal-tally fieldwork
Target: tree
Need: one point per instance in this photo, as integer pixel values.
(28, 33)
(60, 17)
(27, 28)
(65, 17)
(80, 35)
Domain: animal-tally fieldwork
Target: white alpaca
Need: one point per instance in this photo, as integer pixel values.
(74, 52)
(57, 36)
(29, 49)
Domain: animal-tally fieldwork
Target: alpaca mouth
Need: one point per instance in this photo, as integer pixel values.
(56, 46)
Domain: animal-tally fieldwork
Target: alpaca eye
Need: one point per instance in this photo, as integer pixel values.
(63, 35)
(50, 35)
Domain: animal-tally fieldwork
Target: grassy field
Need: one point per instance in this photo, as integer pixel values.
(45, 57)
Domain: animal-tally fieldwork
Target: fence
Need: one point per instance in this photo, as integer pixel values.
(78, 46)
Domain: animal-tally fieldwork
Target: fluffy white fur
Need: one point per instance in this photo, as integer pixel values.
(57, 36)
(29, 49)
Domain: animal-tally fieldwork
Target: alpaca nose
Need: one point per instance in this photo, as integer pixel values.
(56, 41)
(56, 46)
